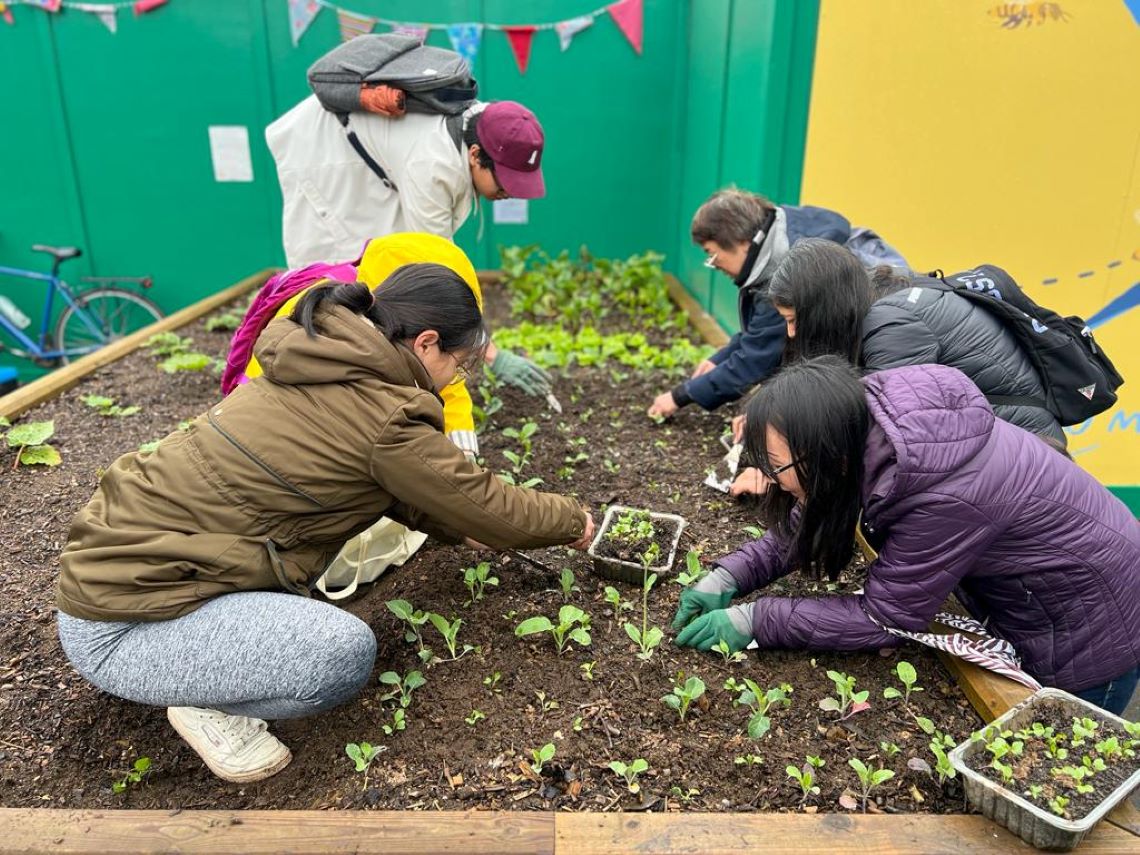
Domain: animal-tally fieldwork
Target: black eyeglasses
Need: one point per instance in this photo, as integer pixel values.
(769, 472)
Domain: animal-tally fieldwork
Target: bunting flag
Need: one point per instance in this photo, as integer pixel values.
(568, 29)
(144, 6)
(105, 12)
(353, 25)
(6, 14)
(520, 39)
(629, 16)
(465, 40)
(46, 5)
(417, 32)
(301, 14)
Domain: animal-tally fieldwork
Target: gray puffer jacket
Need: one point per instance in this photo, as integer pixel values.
(919, 325)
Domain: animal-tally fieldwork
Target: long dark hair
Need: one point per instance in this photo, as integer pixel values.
(471, 137)
(818, 405)
(414, 298)
(830, 292)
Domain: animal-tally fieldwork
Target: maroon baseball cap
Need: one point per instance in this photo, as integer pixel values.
(513, 139)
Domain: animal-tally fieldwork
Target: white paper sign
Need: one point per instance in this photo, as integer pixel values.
(510, 211)
(229, 150)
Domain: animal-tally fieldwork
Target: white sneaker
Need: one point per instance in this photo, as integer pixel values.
(235, 747)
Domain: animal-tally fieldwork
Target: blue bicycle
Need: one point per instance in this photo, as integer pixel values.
(91, 317)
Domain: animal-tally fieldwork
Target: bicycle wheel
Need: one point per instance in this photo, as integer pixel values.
(113, 312)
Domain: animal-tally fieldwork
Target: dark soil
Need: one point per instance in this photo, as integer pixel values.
(1035, 765)
(63, 743)
(633, 548)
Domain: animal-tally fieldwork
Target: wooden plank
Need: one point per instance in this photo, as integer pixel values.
(990, 693)
(1125, 816)
(760, 833)
(705, 323)
(62, 379)
(293, 831)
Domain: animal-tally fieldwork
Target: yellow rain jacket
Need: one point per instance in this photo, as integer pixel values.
(381, 258)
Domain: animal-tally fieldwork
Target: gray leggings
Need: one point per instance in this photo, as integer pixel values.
(258, 654)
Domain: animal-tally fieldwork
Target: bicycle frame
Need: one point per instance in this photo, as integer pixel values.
(36, 349)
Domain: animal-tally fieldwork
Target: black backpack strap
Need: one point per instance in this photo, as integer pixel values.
(355, 142)
(1017, 401)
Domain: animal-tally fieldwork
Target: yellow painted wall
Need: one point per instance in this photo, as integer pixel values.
(964, 141)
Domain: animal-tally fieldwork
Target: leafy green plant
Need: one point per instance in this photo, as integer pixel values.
(544, 704)
(684, 796)
(509, 478)
(566, 583)
(573, 625)
(847, 701)
(362, 754)
(805, 777)
(415, 620)
(728, 654)
(186, 362)
(478, 578)
(542, 756)
(1075, 775)
(30, 441)
(523, 434)
(223, 322)
(402, 688)
(399, 722)
(139, 770)
(165, 344)
(889, 749)
(630, 772)
(683, 695)
(868, 778)
(1083, 729)
(613, 597)
(942, 765)
(693, 571)
(1058, 805)
(748, 760)
(450, 632)
(491, 682)
(760, 702)
(908, 676)
(587, 670)
(107, 407)
(475, 717)
(647, 638)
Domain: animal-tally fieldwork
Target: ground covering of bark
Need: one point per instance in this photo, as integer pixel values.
(63, 743)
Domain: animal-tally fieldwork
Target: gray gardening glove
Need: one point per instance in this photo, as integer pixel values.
(714, 591)
(520, 372)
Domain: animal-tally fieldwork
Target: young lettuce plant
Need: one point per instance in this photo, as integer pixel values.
(573, 625)
(415, 620)
(450, 632)
(908, 676)
(478, 578)
(402, 688)
(869, 778)
(693, 570)
(760, 702)
(614, 599)
(805, 777)
(139, 770)
(542, 756)
(683, 695)
(648, 637)
(728, 654)
(847, 701)
(630, 772)
(566, 583)
(523, 434)
(29, 439)
(107, 407)
(362, 754)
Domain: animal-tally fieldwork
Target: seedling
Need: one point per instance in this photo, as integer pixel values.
(869, 778)
(401, 688)
(847, 701)
(139, 770)
(889, 748)
(478, 578)
(542, 756)
(805, 778)
(573, 625)
(587, 670)
(450, 632)
(186, 362)
(491, 681)
(544, 705)
(223, 322)
(630, 772)
(648, 637)
(362, 754)
(613, 598)
(509, 478)
(167, 344)
(1083, 728)
(908, 677)
(415, 620)
(1035, 791)
(684, 796)
(1093, 764)
(29, 440)
(942, 766)
(728, 654)
(683, 695)
(566, 583)
(1058, 804)
(475, 717)
(748, 760)
(399, 722)
(693, 570)
(523, 434)
(760, 702)
(107, 406)
(1076, 774)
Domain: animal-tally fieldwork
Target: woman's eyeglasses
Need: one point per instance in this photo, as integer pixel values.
(770, 472)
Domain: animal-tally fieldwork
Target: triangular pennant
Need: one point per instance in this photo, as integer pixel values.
(144, 6)
(417, 32)
(353, 25)
(1088, 391)
(628, 15)
(520, 38)
(465, 39)
(46, 5)
(568, 29)
(105, 12)
(6, 14)
(301, 14)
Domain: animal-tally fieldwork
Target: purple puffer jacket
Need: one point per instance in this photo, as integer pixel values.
(1032, 544)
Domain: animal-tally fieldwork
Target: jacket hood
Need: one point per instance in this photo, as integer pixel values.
(347, 348)
(927, 422)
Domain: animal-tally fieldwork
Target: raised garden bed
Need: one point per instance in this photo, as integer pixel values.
(65, 743)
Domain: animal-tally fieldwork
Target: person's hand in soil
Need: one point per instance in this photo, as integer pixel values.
(520, 372)
(738, 423)
(703, 367)
(587, 534)
(663, 406)
(713, 591)
(749, 481)
(733, 626)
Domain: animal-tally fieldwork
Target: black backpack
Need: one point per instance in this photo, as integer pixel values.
(433, 80)
(1079, 378)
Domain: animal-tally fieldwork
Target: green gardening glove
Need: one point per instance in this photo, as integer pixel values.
(714, 591)
(520, 372)
(733, 626)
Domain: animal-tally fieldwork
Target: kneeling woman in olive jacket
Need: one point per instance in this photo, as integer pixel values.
(179, 581)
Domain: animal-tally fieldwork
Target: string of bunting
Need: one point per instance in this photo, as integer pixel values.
(466, 37)
(107, 13)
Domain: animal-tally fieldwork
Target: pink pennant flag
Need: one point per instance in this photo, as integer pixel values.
(46, 5)
(568, 29)
(353, 25)
(418, 33)
(628, 15)
(144, 6)
(520, 38)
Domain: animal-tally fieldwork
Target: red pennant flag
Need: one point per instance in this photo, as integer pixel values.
(520, 43)
(628, 15)
(144, 6)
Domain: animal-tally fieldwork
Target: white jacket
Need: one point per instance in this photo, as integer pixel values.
(333, 201)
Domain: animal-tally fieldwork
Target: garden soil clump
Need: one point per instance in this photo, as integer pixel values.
(63, 743)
